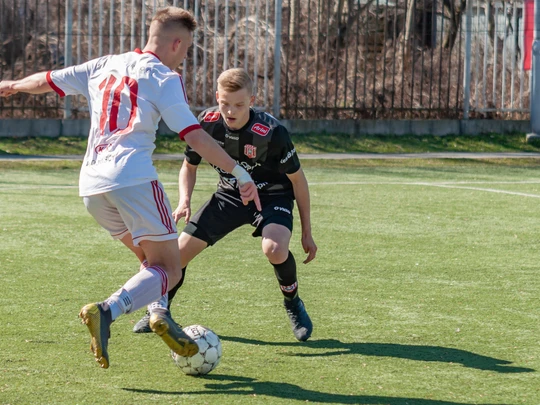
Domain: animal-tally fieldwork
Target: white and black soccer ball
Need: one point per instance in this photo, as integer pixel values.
(209, 351)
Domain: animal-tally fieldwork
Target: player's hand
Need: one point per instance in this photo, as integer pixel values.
(6, 88)
(247, 187)
(249, 192)
(182, 211)
(309, 247)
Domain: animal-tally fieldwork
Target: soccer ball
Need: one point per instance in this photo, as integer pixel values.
(209, 351)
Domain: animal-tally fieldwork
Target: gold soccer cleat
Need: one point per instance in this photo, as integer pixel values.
(99, 322)
(173, 335)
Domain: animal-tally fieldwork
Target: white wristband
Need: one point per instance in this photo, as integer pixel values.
(242, 176)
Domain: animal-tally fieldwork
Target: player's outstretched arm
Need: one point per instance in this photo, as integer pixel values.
(301, 194)
(208, 148)
(33, 84)
(186, 183)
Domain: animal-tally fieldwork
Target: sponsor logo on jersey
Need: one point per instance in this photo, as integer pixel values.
(289, 155)
(103, 158)
(260, 129)
(101, 147)
(289, 288)
(229, 136)
(212, 116)
(219, 169)
(282, 209)
(245, 165)
(250, 151)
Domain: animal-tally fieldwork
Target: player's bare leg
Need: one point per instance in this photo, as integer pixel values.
(139, 252)
(189, 247)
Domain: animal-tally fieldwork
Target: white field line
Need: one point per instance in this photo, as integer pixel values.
(489, 190)
(6, 187)
(380, 183)
(463, 185)
(454, 185)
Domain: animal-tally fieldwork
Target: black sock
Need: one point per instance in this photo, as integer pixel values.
(173, 291)
(286, 276)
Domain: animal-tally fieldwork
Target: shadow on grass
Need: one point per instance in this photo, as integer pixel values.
(411, 352)
(250, 387)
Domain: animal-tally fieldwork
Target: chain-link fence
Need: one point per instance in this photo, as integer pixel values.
(308, 58)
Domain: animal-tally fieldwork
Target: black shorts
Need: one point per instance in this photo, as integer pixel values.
(225, 212)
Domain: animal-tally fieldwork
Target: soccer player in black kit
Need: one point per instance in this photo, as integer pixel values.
(260, 144)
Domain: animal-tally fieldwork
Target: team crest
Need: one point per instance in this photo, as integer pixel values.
(212, 116)
(260, 129)
(250, 151)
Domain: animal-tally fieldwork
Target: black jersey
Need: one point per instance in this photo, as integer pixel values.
(263, 147)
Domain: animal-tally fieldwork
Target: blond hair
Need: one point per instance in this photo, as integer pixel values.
(170, 18)
(233, 80)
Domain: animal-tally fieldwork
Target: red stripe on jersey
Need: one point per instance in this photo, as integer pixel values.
(54, 86)
(161, 206)
(187, 130)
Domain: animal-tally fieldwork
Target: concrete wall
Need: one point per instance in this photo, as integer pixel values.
(408, 127)
(55, 128)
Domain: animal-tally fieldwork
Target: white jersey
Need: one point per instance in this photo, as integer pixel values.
(127, 94)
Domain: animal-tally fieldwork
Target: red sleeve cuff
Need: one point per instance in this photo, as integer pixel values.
(54, 86)
(187, 130)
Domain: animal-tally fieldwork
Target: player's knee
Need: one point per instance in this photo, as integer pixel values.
(275, 252)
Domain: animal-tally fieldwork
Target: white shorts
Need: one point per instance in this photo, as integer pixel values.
(142, 211)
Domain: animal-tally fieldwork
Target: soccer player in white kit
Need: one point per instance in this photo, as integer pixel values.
(127, 96)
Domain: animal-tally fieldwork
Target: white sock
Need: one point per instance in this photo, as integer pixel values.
(159, 305)
(119, 303)
(143, 288)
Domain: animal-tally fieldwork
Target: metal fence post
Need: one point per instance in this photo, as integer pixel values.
(535, 78)
(68, 40)
(277, 59)
(467, 65)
